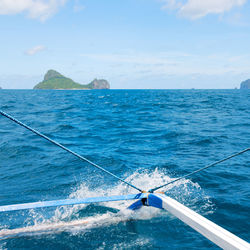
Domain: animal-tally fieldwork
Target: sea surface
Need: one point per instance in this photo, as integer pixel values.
(147, 137)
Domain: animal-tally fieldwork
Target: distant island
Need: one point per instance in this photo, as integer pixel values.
(55, 80)
(245, 84)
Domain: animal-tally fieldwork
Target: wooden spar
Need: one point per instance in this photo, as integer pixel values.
(207, 228)
(57, 203)
(210, 230)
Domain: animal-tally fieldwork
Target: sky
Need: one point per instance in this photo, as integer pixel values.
(134, 44)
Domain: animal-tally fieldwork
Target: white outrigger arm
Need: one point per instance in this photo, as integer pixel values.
(210, 230)
(207, 228)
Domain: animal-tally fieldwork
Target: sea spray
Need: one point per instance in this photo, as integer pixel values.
(75, 219)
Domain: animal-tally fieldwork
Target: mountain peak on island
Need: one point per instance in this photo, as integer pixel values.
(245, 84)
(99, 84)
(52, 74)
(55, 80)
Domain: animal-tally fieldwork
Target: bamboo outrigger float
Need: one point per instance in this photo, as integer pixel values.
(207, 228)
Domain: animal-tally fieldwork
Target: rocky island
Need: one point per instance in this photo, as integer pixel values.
(245, 84)
(55, 80)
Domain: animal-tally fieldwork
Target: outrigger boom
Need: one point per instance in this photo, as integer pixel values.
(207, 228)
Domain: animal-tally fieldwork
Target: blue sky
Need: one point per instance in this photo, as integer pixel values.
(165, 44)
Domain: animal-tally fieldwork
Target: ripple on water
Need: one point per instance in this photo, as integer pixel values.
(148, 137)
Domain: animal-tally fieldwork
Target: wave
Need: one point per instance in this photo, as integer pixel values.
(76, 219)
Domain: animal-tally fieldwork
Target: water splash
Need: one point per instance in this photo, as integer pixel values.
(76, 219)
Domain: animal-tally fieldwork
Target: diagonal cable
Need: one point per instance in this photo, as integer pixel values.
(68, 150)
(198, 170)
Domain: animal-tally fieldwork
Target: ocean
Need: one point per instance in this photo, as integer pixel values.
(147, 137)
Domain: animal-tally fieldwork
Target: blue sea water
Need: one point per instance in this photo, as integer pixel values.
(147, 137)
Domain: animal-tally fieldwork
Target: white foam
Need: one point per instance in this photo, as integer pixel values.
(184, 190)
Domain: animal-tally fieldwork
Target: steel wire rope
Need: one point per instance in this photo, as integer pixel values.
(200, 169)
(66, 149)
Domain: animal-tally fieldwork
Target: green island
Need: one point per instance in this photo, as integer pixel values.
(55, 80)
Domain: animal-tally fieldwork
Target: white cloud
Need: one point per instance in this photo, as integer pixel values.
(194, 9)
(78, 6)
(171, 4)
(36, 9)
(35, 50)
(170, 63)
(168, 69)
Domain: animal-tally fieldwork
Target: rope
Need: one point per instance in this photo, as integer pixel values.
(66, 149)
(198, 170)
